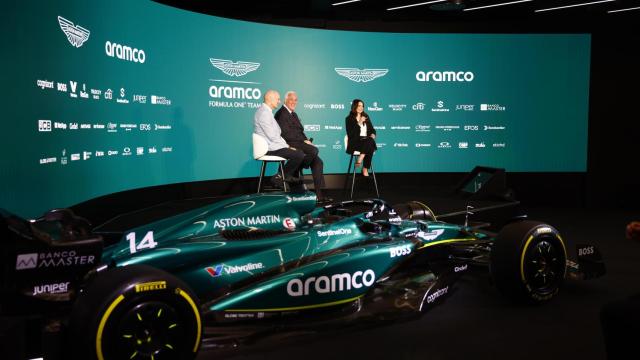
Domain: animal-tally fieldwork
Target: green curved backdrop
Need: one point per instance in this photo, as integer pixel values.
(105, 96)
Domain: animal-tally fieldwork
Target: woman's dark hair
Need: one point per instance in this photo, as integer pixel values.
(354, 105)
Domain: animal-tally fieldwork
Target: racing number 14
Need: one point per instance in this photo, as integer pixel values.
(147, 242)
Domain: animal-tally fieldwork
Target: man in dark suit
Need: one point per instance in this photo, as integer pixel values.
(293, 134)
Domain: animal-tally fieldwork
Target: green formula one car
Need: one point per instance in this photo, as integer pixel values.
(161, 290)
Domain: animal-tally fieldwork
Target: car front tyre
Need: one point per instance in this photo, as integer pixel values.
(135, 312)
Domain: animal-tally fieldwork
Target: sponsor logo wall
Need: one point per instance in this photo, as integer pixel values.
(115, 106)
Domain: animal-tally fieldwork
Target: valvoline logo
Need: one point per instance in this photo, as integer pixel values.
(215, 271)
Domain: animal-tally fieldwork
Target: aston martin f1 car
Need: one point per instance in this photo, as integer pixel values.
(157, 290)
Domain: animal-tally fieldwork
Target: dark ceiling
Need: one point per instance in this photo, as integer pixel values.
(322, 14)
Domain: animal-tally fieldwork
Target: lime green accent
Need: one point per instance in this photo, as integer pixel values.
(159, 312)
(152, 357)
(445, 241)
(196, 312)
(149, 339)
(127, 336)
(431, 211)
(172, 326)
(526, 245)
(139, 317)
(297, 307)
(103, 321)
(135, 353)
(524, 251)
(139, 342)
(169, 346)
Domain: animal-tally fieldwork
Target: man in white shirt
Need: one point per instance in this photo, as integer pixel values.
(266, 126)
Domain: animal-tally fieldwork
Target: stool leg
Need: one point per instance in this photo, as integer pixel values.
(375, 182)
(353, 179)
(284, 183)
(346, 175)
(261, 175)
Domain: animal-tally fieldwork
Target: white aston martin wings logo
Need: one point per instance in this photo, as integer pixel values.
(431, 235)
(76, 34)
(364, 75)
(238, 68)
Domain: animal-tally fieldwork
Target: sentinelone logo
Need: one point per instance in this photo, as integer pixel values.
(76, 34)
(445, 76)
(364, 75)
(234, 69)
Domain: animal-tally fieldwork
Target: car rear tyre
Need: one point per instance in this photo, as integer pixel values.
(135, 312)
(528, 261)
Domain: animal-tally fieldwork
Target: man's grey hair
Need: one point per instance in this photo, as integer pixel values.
(269, 94)
(289, 93)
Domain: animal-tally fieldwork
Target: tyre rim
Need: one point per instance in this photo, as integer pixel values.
(543, 267)
(150, 330)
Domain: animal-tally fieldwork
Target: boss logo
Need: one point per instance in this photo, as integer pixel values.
(586, 251)
(400, 251)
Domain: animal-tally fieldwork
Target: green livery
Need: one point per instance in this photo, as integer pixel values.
(169, 281)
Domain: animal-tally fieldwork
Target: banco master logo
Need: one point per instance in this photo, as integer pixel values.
(55, 259)
(238, 68)
(76, 34)
(27, 261)
(364, 75)
(330, 283)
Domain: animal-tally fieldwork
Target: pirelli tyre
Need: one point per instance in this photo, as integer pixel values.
(135, 312)
(528, 261)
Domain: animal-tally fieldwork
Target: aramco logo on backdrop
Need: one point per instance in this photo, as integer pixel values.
(445, 76)
(230, 96)
(364, 75)
(76, 34)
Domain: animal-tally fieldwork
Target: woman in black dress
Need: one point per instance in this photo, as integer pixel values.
(361, 135)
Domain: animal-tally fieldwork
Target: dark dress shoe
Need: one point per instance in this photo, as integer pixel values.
(324, 200)
(292, 179)
(276, 181)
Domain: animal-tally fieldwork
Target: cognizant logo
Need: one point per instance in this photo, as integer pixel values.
(235, 92)
(330, 284)
(445, 76)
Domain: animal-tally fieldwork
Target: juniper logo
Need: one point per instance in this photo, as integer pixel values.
(76, 34)
(364, 75)
(27, 261)
(238, 68)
